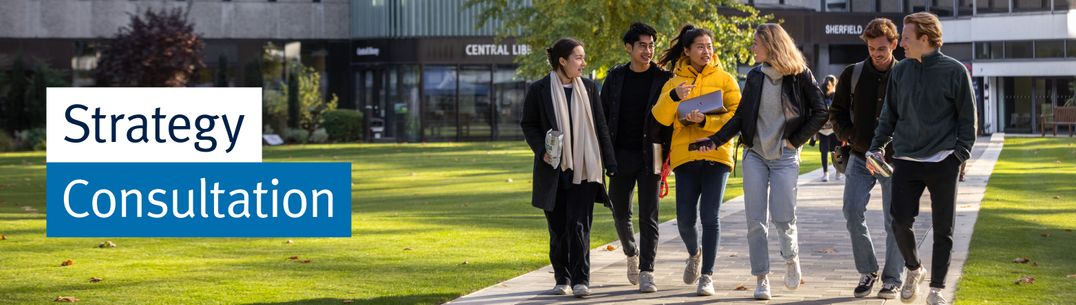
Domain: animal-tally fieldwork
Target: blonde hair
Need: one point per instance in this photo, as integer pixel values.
(926, 24)
(782, 51)
(830, 84)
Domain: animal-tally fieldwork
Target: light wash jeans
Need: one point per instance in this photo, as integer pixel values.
(770, 185)
(857, 188)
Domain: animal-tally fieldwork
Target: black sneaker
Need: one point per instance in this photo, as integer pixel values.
(866, 283)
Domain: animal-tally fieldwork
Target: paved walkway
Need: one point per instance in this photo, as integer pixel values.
(825, 252)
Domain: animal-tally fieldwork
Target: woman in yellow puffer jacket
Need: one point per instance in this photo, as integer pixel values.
(698, 174)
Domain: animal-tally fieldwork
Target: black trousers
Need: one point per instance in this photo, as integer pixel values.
(910, 178)
(569, 232)
(632, 171)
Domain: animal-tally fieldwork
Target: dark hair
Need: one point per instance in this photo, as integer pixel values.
(688, 33)
(880, 27)
(637, 29)
(561, 49)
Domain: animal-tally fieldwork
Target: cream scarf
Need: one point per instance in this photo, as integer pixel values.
(585, 158)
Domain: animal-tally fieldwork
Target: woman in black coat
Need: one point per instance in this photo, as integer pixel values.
(567, 187)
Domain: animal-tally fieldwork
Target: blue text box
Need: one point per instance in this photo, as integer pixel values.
(307, 187)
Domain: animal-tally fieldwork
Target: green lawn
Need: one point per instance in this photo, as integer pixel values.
(430, 222)
(1029, 211)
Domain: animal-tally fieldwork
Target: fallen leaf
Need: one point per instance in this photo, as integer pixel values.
(610, 248)
(1021, 260)
(1025, 280)
(509, 180)
(95, 279)
(1072, 276)
(349, 301)
(107, 244)
(464, 263)
(305, 261)
(294, 258)
(407, 249)
(740, 287)
(732, 255)
(829, 250)
(1068, 230)
(67, 263)
(289, 242)
(1044, 234)
(3, 237)
(1057, 197)
(65, 299)
(802, 281)
(1034, 264)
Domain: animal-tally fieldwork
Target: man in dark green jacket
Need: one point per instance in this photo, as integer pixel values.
(929, 115)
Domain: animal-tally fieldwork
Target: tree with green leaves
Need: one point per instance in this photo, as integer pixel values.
(304, 86)
(600, 25)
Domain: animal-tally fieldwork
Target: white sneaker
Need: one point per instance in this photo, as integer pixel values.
(935, 297)
(633, 270)
(889, 291)
(792, 277)
(706, 285)
(561, 290)
(911, 284)
(693, 268)
(762, 289)
(581, 290)
(825, 177)
(837, 176)
(646, 282)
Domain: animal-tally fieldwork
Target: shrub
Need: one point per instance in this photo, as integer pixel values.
(343, 125)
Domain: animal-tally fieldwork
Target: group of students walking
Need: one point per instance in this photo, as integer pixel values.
(922, 105)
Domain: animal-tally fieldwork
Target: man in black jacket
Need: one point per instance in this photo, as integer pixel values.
(629, 92)
(855, 113)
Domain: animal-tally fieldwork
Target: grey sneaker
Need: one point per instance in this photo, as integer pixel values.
(762, 289)
(693, 268)
(706, 285)
(935, 297)
(889, 291)
(646, 282)
(633, 270)
(911, 284)
(561, 290)
(792, 277)
(825, 177)
(580, 290)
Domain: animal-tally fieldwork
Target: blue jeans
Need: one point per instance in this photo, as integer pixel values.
(857, 190)
(770, 185)
(705, 179)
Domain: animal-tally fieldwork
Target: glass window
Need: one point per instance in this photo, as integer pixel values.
(942, 8)
(959, 51)
(1031, 5)
(1049, 48)
(837, 5)
(1018, 49)
(964, 7)
(1071, 48)
(1063, 5)
(404, 99)
(475, 109)
(988, 50)
(1017, 100)
(863, 6)
(1066, 91)
(916, 5)
(890, 7)
(439, 103)
(992, 6)
(508, 96)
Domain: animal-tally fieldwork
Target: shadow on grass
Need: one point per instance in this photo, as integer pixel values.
(404, 299)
